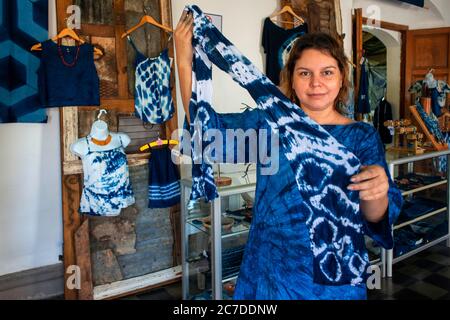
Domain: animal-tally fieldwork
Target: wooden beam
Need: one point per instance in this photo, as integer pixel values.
(386, 25)
(83, 256)
(137, 284)
(98, 30)
(357, 49)
(70, 184)
(71, 221)
(121, 49)
(402, 75)
(418, 119)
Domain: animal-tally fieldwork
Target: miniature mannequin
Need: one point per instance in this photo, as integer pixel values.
(100, 139)
(106, 187)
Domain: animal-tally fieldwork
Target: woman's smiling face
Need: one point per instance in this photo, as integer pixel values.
(317, 80)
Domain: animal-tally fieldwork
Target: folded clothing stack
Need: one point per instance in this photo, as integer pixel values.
(413, 180)
(416, 207)
(413, 236)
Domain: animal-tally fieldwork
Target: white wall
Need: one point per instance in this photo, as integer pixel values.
(30, 192)
(242, 23)
(435, 16)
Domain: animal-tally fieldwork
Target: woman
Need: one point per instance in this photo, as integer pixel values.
(278, 262)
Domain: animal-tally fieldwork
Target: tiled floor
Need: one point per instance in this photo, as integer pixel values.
(425, 276)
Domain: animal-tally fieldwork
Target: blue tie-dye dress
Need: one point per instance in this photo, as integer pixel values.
(107, 188)
(278, 261)
(307, 236)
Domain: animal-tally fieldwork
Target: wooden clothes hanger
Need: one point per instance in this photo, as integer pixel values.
(150, 20)
(157, 143)
(287, 9)
(66, 32)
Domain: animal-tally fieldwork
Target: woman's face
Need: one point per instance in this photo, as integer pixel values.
(317, 80)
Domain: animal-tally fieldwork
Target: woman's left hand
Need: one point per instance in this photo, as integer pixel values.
(372, 183)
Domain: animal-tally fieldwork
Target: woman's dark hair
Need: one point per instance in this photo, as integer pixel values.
(327, 45)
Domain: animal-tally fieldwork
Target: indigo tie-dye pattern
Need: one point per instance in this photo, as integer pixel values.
(318, 164)
(164, 181)
(153, 98)
(107, 188)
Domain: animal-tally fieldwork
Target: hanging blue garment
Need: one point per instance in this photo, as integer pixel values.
(419, 3)
(22, 24)
(437, 90)
(363, 105)
(153, 98)
(435, 107)
(164, 180)
(107, 188)
(68, 76)
(305, 204)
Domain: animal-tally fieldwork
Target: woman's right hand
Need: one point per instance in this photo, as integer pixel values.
(183, 39)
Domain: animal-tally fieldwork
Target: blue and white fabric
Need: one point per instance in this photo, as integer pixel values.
(320, 164)
(164, 180)
(438, 90)
(107, 187)
(153, 98)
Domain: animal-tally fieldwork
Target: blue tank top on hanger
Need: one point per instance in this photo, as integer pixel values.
(67, 76)
(153, 99)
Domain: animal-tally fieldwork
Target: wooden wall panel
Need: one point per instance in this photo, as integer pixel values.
(103, 23)
(425, 49)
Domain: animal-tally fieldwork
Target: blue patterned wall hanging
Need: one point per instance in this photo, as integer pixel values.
(23, 23)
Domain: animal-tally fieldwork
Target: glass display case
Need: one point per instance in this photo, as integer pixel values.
(424, 219)
(213, 241)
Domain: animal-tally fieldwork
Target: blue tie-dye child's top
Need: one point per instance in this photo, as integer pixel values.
(107, 187)
(153, 99)
(316, 166)
(278, 261)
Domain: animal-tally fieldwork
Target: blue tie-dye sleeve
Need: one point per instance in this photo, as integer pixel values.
(371, 152)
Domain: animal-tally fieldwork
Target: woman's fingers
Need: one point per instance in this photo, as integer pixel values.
(369, 184)
(370, 195)
(185, 25)
(366, 174)
(182, 19)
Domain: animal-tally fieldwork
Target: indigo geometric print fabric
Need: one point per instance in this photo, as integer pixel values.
(23, 23)
(322, 166)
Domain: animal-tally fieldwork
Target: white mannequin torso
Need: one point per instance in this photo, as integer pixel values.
(99, 132)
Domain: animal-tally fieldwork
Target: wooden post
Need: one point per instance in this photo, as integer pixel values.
(83, 258)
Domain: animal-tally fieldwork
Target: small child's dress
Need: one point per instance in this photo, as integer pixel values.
(164, 180)
(107, 188)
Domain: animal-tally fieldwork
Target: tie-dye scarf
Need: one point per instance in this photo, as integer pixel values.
(321, 165)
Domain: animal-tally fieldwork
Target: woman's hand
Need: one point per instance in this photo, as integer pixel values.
(373, 185)
(183, 39)
(184, 55)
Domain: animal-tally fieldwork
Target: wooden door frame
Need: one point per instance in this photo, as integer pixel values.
(402, 29)
(76, 228)
(359, 20)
